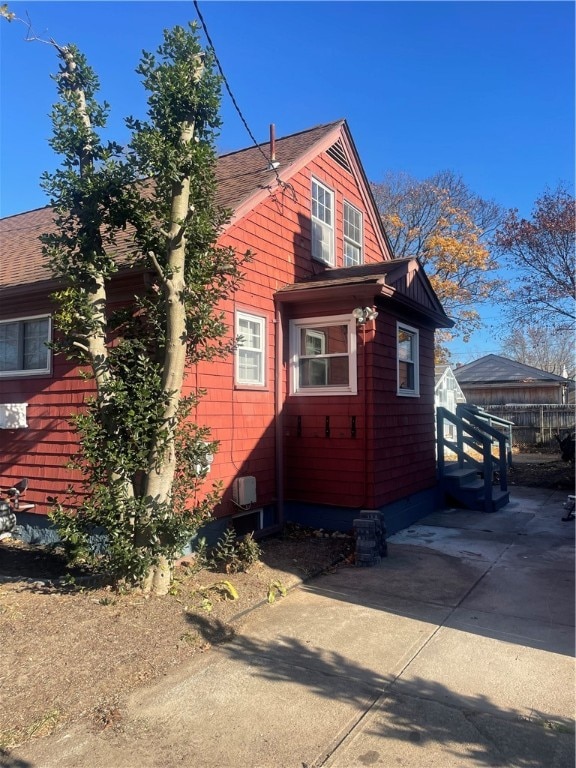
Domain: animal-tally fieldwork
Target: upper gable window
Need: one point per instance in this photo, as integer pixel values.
(408, 361)
(322, 223)
(323, 355)
(352, 236)
(23, 346)
(250, 360)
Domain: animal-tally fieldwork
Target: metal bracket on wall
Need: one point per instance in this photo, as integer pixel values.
(327, 427)
(299, 426)
(353, 426)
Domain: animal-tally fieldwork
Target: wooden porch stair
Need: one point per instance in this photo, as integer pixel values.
(477, 478)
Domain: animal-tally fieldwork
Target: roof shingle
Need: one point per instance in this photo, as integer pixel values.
(240, 175)
(497, 369)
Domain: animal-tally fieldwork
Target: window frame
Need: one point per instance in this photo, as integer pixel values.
(347, 240)
(415, 361)
(261, 320)
(325, 390)
(22, 372)
(316, 222)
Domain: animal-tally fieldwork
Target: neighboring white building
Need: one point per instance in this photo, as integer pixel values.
(447, 393)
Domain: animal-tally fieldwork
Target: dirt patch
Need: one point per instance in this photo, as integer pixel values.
(556, 474)
(72, 652)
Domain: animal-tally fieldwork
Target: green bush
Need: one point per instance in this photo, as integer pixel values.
(234, 554)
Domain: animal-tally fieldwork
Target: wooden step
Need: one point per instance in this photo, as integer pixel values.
(474, 498)
(455, 476)
(499, 500)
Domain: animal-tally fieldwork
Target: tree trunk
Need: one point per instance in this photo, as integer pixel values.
(162, 467)
(159, 578)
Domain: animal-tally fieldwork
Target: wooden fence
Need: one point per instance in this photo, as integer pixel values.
(535, 425)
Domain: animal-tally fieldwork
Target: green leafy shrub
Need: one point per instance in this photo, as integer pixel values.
(234, 554)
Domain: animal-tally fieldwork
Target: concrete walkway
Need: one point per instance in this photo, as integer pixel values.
(456, 651)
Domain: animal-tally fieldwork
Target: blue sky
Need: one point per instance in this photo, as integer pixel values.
(485, 89)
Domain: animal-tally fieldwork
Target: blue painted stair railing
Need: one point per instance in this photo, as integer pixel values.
(473, 457)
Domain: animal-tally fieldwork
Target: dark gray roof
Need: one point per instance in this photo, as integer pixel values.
(493, 369)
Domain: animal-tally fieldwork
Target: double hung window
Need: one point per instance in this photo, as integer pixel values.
(322, 223)
(352, 236)
(407, 355)
(323, 355)
(250, 353)
(23, 346)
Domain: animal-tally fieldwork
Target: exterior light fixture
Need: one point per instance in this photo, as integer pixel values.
(362, 315)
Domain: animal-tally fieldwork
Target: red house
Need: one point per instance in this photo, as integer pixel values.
(326, 408)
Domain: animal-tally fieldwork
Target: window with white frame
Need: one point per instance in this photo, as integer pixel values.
(408, 368)
(352, 236)
(23, 346)
(323, 355)
(322, 223)
(250, 352)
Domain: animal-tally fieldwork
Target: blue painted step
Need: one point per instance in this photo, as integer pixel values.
(465, 487)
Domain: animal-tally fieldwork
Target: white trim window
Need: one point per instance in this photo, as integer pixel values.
(250, 353)
(23, 346)
(407, 347)
(323, 355)
(353, 236)
(322, 223)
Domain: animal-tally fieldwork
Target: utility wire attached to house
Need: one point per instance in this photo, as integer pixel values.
(281, 183)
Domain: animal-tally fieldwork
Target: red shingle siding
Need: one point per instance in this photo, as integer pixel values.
(324, 468)
(380, 446)
(41, 451)
(278, 234)
(403, 438)
(393, 459)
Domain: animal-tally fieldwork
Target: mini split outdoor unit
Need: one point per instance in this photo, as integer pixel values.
(244, 491)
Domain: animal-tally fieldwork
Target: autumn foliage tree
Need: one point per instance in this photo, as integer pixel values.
(141, 453)
(447, 227)
(541, 250)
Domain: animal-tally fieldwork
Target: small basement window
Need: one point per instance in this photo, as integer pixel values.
(248, 522)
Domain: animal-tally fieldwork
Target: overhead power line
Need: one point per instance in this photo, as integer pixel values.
(228, 88)
(283, 184)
